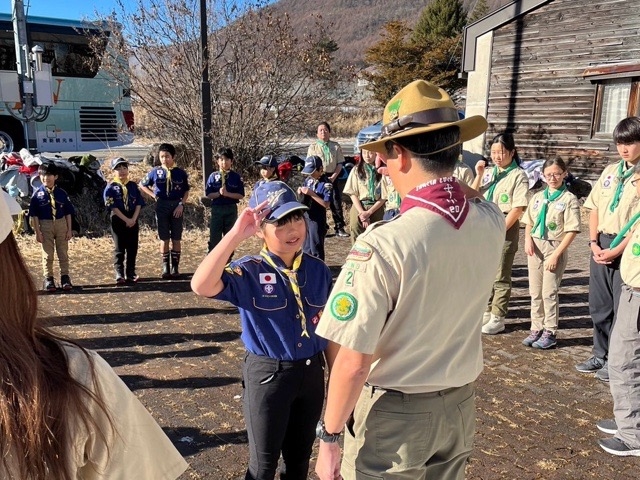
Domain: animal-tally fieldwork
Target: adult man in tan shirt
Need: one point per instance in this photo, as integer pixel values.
(402, 320)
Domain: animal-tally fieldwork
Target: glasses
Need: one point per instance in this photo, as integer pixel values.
(554, 175)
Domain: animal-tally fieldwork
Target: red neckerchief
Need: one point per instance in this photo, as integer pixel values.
(443, 196)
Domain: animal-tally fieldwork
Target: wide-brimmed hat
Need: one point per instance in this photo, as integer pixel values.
(281, 200)
(422, 107)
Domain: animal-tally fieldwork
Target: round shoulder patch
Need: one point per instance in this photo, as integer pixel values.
(344, 306)
(635, 250)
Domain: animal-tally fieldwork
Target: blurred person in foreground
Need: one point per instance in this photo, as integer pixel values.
(402, 319)
(64, 413)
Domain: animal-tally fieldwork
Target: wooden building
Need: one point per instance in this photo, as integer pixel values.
(559, 73)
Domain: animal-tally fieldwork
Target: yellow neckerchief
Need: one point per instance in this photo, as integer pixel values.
(125, 192)
(292, 275)
(168, 172)
(52, 201)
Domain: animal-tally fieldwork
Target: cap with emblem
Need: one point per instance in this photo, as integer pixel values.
(281, 200)
(422, 107)
(268, 161)
(311, 164)
(118, 161)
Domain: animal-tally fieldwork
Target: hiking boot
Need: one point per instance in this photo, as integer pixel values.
(603, 373)
(50, 284)
(608, 426)
(341, 233)
(120, 280)
(175, 263)
(547, 340)
(495, 325)
(591, 365)
(166, 265)
(65, 281)
(486, 318)
(132, 278)
(534, 336)
(615, 446)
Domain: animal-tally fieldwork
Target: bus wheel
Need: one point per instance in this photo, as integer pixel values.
(6, 142)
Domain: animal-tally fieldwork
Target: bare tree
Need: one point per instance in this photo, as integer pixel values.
(267, 81)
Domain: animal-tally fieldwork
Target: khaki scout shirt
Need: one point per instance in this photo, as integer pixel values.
(359, 187)
(463, 173)
(563, 215)
(330, 164)
(389, 193)
(511, 192)
(412, 292)
(601, 196)
(630, 262)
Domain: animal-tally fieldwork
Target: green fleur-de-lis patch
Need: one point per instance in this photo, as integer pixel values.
(552, 226)
(394, 109)
(344, 306)
(504, 198)
(635, 250)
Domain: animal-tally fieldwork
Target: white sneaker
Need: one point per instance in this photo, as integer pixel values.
(495, 325)
(486, 318)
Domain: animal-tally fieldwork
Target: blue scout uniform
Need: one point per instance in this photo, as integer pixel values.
(317, 224)
(125, 239)
(283, 370)
(40, 206)
(224, 210)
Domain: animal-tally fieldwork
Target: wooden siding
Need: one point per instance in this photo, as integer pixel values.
(536, 84)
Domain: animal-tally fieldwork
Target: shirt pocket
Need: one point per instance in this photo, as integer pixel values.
(269, 303)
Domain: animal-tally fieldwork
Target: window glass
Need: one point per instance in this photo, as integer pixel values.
(615, 104)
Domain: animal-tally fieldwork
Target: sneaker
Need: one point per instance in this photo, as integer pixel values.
(341, 233)
(603, 373)
(495, 325)
(591, 365)
(533, 337)
(608, 426)
(132, 278)
(65, 281)
(615, 446)
(50, 284)
(486, 318)
(120, 280)
(547, 340)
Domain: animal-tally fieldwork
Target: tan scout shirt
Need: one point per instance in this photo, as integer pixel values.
(463, 173)
(330, 164)
(389, 193)
(412, 292)
(601, 196)
(511, 192)
(359, 187)
(630, 262)
(563, 215)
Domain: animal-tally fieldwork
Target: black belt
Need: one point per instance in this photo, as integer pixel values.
(608, 235)
(305, 362)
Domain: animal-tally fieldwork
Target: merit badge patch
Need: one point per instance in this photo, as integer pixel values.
(268, 288)
(552, 226)
(504, 198)
(394, 109)
(635, 250)
(267, 278)
(607, 181)
(344, 306)
(360, 252)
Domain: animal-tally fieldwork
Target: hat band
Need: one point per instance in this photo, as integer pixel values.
(420, 119)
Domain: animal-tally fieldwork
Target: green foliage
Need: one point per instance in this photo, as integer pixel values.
(440, 19)
(480, 10)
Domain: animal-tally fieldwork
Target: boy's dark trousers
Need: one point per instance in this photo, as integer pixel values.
(125, 241)
(282, 405)
(222, 219)
(316, 233)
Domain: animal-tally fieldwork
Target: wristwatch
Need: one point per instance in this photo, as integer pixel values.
(325, 436)
(592, 241)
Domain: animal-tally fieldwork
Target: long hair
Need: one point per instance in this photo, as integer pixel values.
(40, 402)
(362, 174)
(508, 143)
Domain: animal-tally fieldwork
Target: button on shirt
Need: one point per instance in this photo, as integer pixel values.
(157, 178)
(323, 188)
(114, 197)
(40, 206)
(233, 182)
(268, 309)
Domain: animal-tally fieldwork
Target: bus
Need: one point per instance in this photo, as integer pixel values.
(90, 108)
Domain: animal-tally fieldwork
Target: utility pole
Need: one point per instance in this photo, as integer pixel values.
(207, 152)
(25, 79)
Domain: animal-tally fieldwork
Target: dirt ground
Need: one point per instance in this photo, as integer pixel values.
(181, 355)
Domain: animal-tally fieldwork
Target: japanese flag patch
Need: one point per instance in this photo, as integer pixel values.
(267, 278)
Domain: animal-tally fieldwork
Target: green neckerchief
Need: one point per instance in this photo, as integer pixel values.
(541, 222)
(326, 151)
(622, 177)
(616, 241)
(370, 172)
(292, 275)
(497, 177)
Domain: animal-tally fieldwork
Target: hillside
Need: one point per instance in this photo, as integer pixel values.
(356, 25)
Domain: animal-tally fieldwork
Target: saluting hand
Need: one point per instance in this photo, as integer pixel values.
(249, 221)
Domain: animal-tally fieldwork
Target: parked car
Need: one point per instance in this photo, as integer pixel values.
(372, 132)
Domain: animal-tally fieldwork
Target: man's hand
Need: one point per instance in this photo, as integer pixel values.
(38, 236)
(328, 463)
(69, 235)
(177, 213)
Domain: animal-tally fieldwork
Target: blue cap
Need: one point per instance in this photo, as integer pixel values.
(267, 161)
(118, 161)
(311, 164)
(282, 200)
